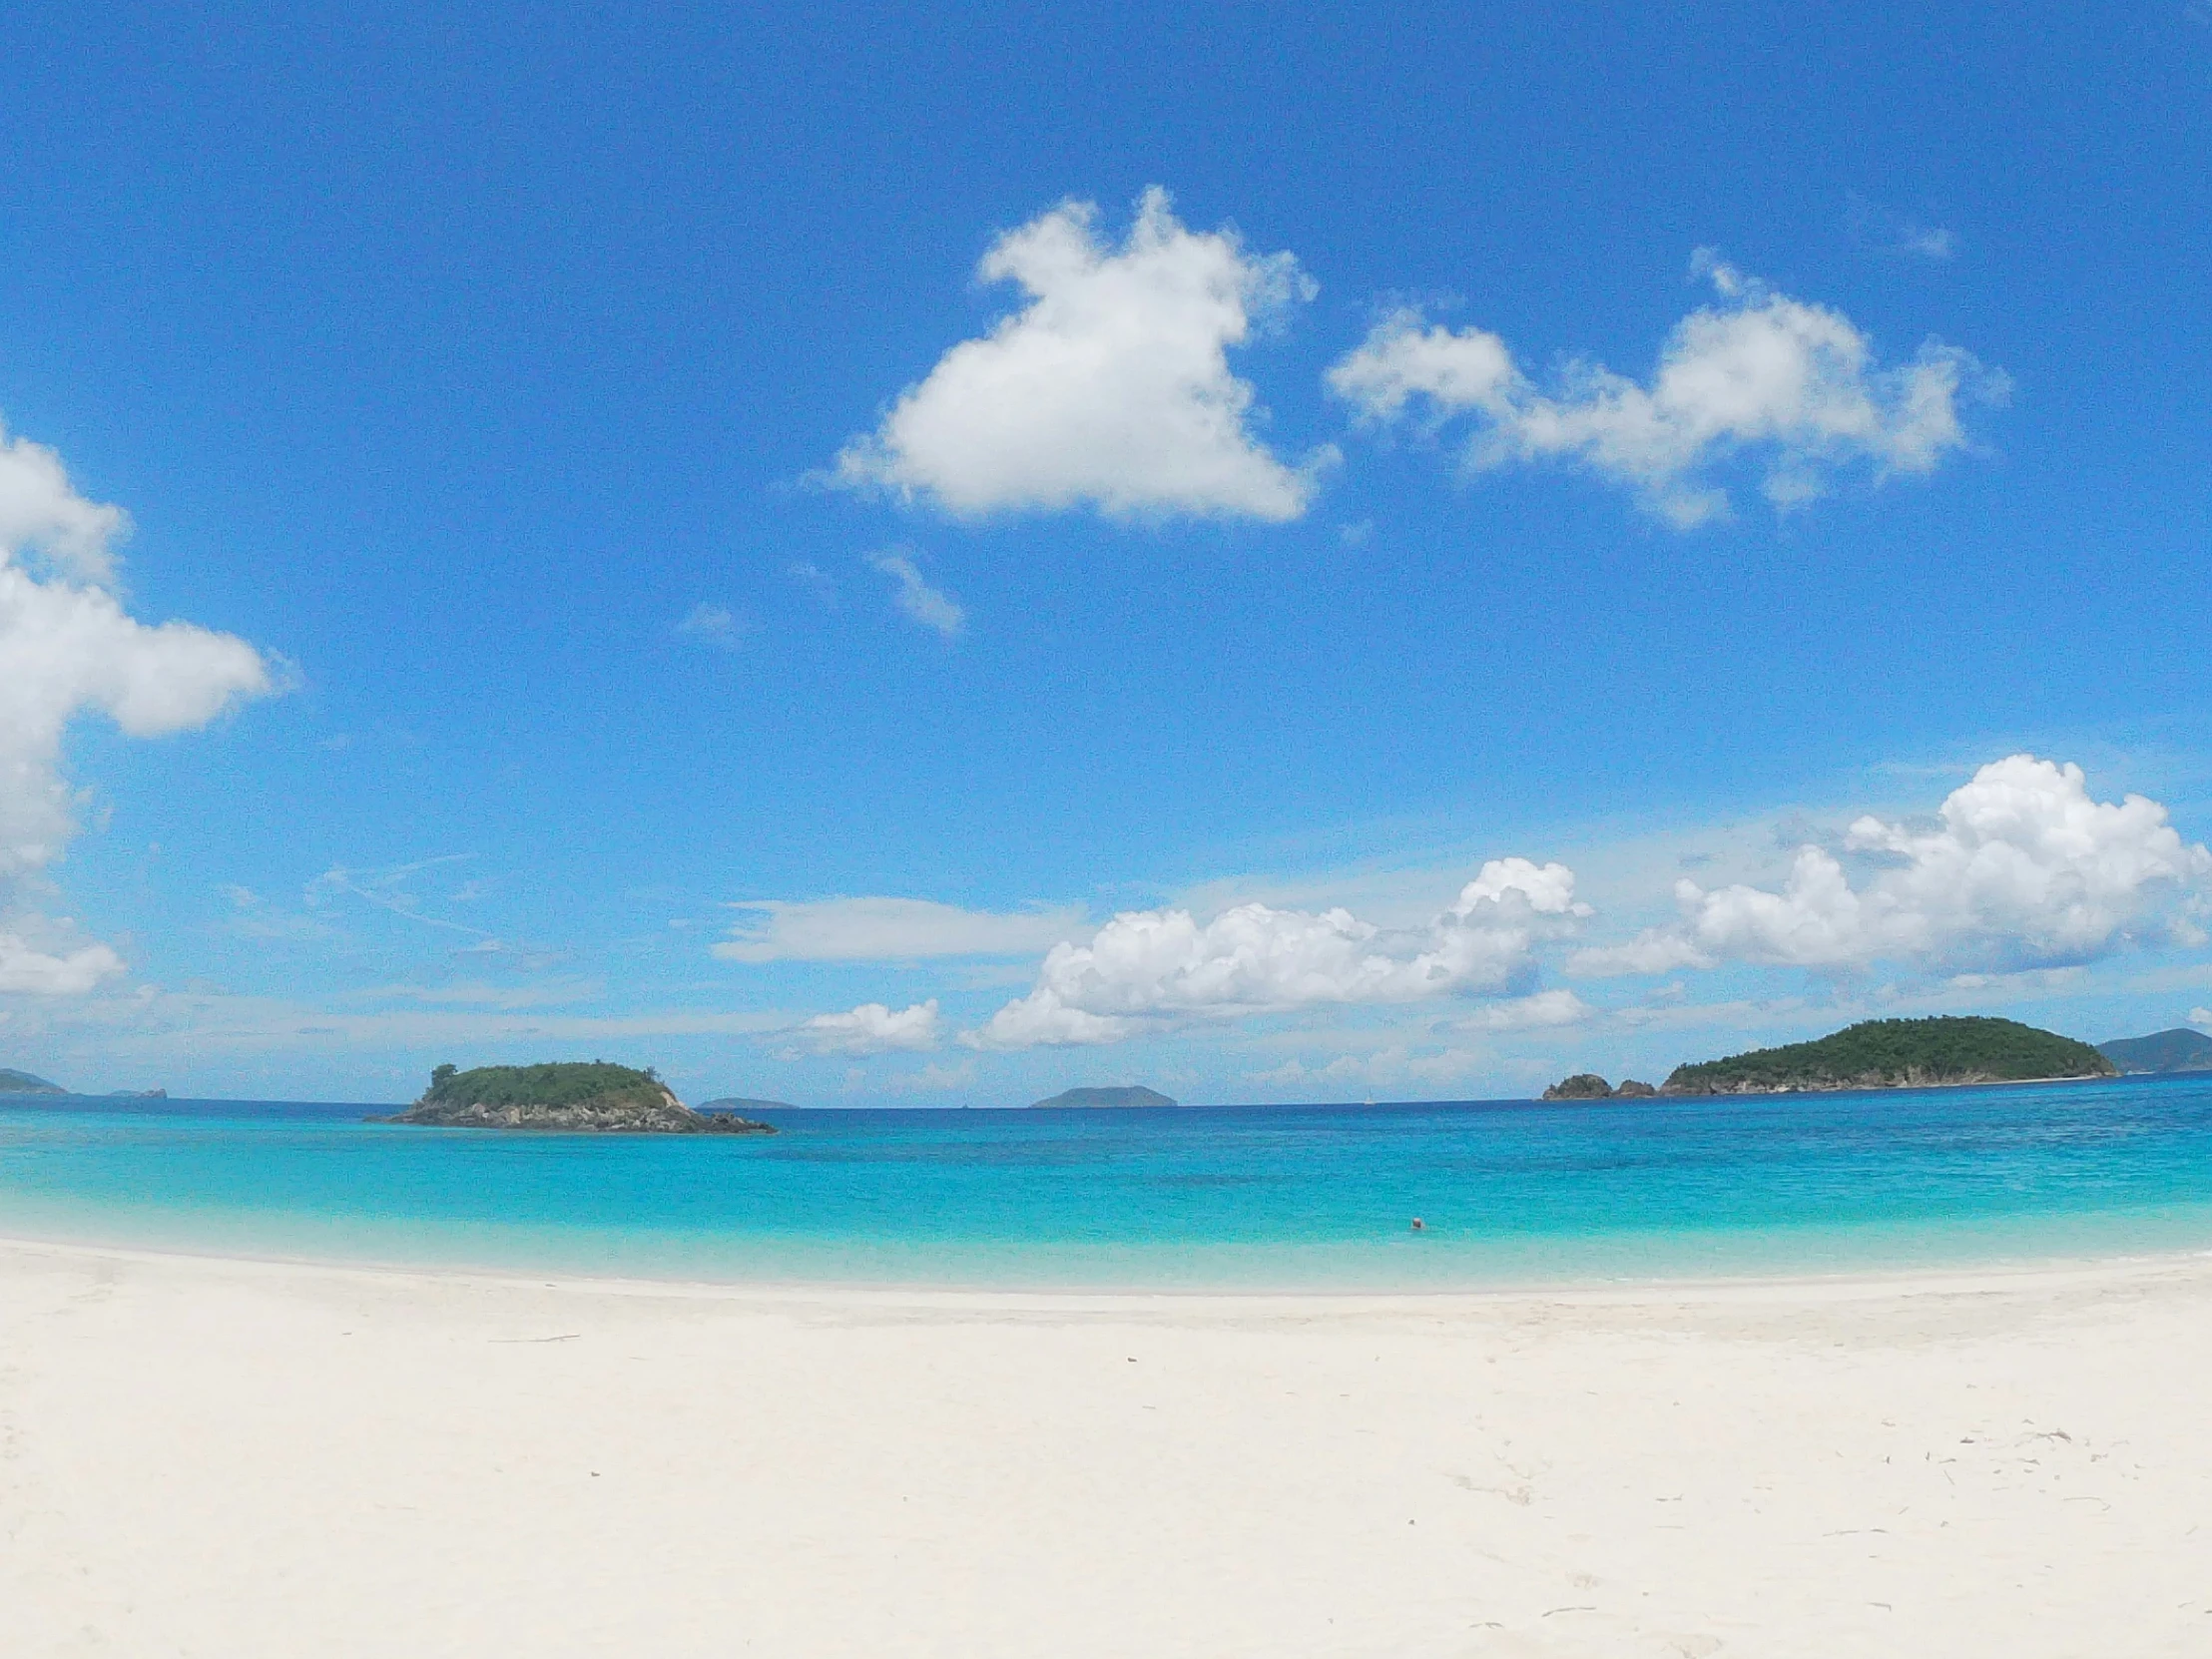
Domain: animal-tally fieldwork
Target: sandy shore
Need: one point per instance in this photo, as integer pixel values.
(238, 1459)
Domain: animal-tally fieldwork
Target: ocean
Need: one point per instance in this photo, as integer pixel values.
(1253, 1197)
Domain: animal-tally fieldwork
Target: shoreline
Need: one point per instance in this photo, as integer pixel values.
(1850, 1284)
(1664, 1093)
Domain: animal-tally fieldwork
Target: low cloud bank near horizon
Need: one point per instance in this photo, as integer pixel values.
(2019, 873)
(873, 1029)
(1149, 969)
(2021, 869)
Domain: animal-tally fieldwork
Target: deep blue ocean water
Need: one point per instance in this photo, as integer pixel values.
(1275, 1197)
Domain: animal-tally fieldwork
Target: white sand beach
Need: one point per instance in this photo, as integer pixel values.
(238, 1459)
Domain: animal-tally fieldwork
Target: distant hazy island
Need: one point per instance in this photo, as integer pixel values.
(571, 1095)
(2180, 1049)
(737, 1103)
(1105, 1097)
(22, 1082)
(1929, 1053)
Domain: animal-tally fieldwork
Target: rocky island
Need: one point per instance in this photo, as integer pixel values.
(1132, 1096)
(1587, 1085)
(592, 1096)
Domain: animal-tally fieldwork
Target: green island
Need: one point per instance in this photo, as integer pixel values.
(1937, 1052)
(1898, 1054)
(1130, 1096)
(22, 1082)
(592, 1096)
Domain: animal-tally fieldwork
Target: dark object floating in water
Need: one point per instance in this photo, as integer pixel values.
(576, 1096)
(1898, 1054)
(1132, 1096)
(22, 1082)
(2180, 1049)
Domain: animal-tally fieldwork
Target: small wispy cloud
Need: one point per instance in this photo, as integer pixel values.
(479, 994)
(932, 608)
(715, 625)
(388, 889)
(873, 930)
(1887, 231)
(816, 581)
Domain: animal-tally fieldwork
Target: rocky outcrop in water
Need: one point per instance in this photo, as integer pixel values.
(575, 1097)
(1583, 1085)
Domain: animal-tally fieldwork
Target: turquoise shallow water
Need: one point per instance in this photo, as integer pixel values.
(1268, 1197)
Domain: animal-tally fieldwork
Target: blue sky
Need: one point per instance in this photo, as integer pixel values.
(624, 469)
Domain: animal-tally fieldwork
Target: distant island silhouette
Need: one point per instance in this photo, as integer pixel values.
(1133, 1095)
(2180, 1049)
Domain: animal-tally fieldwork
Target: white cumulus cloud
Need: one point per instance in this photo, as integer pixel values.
(68, 649)
(1158, 968)
(931, 607)
(2021, 870)
(886, 930)
(874, 1028)
(41, 513)
(1110, 388)
(1756, 375)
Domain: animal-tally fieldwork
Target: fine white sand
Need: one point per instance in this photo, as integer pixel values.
(235, 1460)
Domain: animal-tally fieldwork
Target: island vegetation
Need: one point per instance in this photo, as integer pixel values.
(1898, 1054)
(593, 1096)
(1130, 1096)
(22, 1082)
(2180, 1049)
